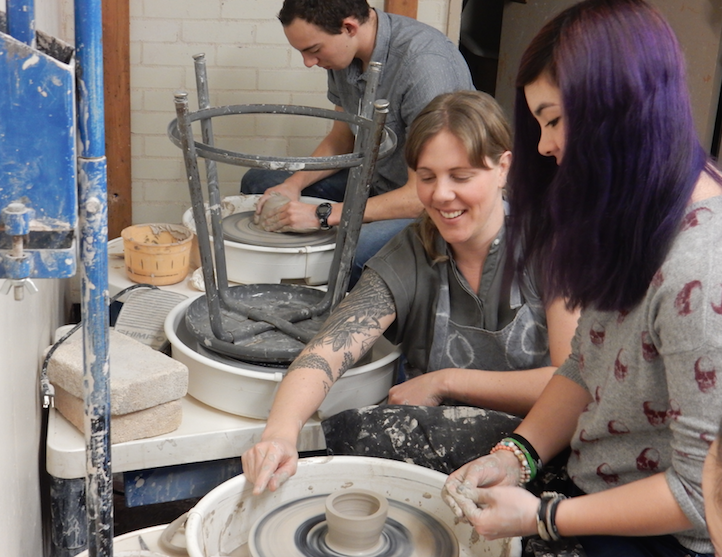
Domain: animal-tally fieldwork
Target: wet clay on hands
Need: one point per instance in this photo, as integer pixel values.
(268, 218)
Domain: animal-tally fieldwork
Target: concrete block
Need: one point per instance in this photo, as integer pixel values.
(140, 377)
(150, 422)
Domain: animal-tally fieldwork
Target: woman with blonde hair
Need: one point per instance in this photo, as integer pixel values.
(444, 289)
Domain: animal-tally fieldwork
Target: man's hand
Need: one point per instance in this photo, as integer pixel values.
(293, 216)
(269, 464)
(284, 188)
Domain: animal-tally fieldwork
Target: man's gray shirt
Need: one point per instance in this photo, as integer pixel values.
(419, 63)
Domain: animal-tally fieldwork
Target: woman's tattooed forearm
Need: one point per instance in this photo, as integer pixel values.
(312, 361)
(348, 361)
(357, 316)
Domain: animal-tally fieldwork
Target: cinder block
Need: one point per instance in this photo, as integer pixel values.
(154, 31)
(223, 32)
(140, 377)
(161, 211)
(158, 420)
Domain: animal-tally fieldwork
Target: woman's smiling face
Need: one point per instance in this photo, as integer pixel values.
(464, 202)
(545, 103)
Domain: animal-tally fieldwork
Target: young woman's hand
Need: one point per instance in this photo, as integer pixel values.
(499, 512)
(484, 493)
(269, 464)
(501, 468)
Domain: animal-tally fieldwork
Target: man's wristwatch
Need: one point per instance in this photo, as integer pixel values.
(323, 211)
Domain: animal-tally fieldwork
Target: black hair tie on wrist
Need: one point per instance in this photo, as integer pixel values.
(529, 448)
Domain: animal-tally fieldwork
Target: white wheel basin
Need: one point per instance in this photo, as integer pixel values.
(221, 521)
(249, 264)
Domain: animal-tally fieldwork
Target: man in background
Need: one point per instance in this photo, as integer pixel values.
(418, 63)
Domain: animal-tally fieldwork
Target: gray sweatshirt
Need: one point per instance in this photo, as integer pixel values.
(652, 374)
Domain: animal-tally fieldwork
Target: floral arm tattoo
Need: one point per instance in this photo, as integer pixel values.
(312, 361)
(355, 320)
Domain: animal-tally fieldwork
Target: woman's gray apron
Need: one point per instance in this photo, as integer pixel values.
(522, 344)
(445, 437)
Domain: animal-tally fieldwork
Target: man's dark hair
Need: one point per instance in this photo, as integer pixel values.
(326, 14)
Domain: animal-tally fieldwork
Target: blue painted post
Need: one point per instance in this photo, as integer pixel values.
(21, 20)
(94, 285)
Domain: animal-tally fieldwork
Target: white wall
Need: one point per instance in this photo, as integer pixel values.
(25, 331)
(248, 61)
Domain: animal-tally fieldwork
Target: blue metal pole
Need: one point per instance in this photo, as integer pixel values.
(89, 54)
(93, 197)
(21, 20)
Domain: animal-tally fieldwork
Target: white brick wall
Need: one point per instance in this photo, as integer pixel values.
(248, 61)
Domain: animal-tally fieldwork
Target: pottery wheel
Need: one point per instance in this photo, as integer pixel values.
(298, 529)
(239, 227)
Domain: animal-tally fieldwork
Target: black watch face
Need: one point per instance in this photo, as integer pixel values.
(323, 210)
(322, 213)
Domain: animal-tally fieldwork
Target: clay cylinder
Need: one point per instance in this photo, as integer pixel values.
(355, 519)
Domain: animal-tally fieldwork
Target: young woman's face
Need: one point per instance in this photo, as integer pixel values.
(464, 202)
(545, 103)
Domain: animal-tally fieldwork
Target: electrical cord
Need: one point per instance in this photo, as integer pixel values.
(47, 390)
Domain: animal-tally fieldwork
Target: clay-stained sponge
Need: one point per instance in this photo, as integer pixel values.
(140, 377)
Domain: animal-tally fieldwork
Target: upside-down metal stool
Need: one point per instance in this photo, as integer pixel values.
(271, 323)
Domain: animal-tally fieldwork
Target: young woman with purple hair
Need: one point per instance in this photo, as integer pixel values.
(612, 193)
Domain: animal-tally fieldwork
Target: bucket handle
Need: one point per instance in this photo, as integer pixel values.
(166, 539)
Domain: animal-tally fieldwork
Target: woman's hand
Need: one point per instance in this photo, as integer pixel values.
(269, 464)
(483, 492)
(501, 468)
(499, 512)
(424, 390)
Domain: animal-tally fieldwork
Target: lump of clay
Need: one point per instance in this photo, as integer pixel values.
(272, 205)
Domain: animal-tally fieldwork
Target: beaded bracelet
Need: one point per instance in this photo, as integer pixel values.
(504, 445)
(535, 462)
(546, 516)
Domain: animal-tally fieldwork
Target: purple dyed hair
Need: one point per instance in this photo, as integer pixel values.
(602, 222)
